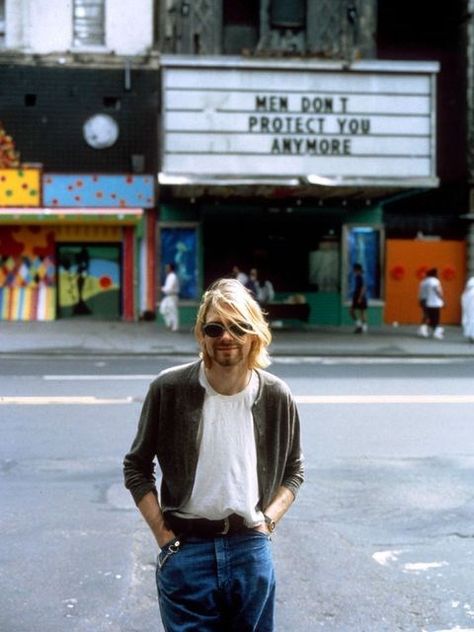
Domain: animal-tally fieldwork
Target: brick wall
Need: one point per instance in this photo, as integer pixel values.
(44, 108)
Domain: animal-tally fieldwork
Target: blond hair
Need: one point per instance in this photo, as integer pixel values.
(234, 303)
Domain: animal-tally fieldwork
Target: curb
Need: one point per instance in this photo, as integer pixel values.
(84, 352)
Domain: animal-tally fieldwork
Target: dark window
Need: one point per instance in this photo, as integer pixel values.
(240, 25)
(112, 103)
(288, 14)
(244, 12)
(30, 100)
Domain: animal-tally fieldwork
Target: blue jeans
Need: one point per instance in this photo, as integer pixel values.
(225, 583)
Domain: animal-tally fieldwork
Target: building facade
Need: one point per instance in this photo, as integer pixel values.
(79, 99)
(311, 171)
(293, 136)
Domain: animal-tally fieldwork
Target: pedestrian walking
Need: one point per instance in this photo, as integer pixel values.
(434, 303)
(359, 300)
(467, 308)
(169, 303)
(226, 436)
(423, 329)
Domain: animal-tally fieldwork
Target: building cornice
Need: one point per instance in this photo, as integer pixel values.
(72, 59)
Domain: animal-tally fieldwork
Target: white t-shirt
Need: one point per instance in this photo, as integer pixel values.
(423, 290)
(171, 286)
(433, 292)
(226, 479)
(242, 278)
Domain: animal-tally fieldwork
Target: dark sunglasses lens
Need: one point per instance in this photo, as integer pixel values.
(239, 329)
(213, 330)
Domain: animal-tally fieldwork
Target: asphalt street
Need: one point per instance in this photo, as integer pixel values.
(379, 539)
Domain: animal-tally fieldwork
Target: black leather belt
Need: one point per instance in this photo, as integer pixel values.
(203, 528)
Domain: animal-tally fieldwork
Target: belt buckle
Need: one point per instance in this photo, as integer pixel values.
(226, 528)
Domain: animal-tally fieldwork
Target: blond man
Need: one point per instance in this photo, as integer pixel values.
(226, 436)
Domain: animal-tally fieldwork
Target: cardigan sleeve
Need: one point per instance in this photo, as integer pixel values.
(139, 462)
(293, 476)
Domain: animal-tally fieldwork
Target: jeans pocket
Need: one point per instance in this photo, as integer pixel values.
(168, 550)
(259, 535)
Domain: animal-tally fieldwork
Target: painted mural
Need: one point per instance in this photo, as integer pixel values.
(27, 273)
(20, 187)
(179, 246)
(363, 247)
(9, 156)
(89, 280)
(110, 191)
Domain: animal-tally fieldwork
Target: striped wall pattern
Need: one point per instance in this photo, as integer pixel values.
(24, 303)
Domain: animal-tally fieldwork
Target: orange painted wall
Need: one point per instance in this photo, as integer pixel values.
(406, 262)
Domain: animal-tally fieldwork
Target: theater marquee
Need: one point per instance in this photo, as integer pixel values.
(372, 123)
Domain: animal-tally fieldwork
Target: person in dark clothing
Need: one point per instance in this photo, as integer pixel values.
(359, 300)
(253, 283)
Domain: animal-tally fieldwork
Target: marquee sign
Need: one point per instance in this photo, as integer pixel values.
(373, 123)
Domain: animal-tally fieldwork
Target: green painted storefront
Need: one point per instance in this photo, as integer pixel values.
(278, 239)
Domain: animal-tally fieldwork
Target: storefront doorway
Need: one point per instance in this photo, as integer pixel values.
(89, 280)
(406, 264)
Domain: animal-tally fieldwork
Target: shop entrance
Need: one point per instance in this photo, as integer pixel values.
(406, 264)
(296, 248)
(89, 280)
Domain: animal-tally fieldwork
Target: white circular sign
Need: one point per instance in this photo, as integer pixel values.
(100, 131)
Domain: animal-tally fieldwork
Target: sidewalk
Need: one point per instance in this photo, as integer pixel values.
(85, 337)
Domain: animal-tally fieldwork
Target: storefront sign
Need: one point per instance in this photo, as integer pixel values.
(20, 187)
(103, 216)
(372, 123)
(98, 190)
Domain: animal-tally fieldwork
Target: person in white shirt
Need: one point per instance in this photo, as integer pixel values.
(423, 330)
(266, 293)
(467, 304)
(169, 303)
(434, 302)
(239, 275)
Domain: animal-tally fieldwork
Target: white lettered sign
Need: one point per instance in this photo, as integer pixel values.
(373, 123)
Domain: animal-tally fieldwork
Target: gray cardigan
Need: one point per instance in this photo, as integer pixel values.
(168, 430)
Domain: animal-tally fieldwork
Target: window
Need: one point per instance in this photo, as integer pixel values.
(364, 245)
(2, 23)
(240, 26)
(288, 14)
(89, 23)
(179, 245)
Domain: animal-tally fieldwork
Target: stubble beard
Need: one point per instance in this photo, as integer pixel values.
(221, 358)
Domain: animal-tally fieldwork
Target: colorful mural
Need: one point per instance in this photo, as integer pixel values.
(89, 280)
(9, 156)
(363, 247)
(27, 273)
(179, 246)
(111, 191)
(20, 187)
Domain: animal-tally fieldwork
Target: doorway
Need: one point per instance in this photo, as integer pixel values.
(89, 280)
(406, 265)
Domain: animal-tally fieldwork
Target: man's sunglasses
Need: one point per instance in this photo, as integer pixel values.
(216, 330)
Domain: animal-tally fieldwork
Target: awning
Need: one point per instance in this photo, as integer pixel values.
(290, 188)
(34, 215)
